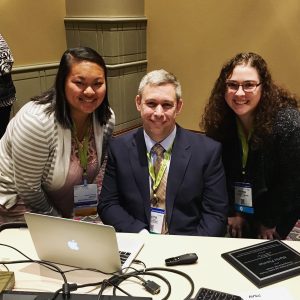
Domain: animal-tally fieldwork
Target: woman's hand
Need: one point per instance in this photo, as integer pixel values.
(236, 225)
(267, 233)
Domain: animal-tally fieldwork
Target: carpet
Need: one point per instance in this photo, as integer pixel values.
(294, 235)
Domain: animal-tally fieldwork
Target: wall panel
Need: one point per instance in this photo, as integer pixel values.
(122, 44)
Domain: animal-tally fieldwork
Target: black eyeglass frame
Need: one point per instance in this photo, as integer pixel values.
(237, 86)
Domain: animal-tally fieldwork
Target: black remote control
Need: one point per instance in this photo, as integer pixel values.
(184, 259)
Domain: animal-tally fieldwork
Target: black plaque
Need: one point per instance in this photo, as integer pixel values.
(265, 263)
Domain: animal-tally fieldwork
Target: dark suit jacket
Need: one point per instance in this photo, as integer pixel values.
(196, 196)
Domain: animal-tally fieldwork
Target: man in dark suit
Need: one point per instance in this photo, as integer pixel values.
(193, 200)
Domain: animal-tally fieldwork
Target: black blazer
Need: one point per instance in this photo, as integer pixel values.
(273, 171)
(196, 197)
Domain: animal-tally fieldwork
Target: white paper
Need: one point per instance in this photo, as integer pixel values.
(275, 293)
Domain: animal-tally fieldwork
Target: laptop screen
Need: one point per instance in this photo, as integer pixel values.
(80, 244)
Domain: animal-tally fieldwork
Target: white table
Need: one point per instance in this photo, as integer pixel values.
(211, 270)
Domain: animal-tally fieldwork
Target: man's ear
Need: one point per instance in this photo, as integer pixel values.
(138, 100)
(179, 106)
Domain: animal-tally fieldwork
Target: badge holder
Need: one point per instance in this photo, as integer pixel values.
(85, 200)
(243, 197)
(157, 220)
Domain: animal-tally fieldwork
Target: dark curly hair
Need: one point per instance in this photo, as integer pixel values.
(56, 95)
(218, 120)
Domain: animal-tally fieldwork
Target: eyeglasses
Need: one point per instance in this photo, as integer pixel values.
(248, 86)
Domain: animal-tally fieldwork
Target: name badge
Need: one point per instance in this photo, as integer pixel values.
(243, 197)
(157, 220)
(85, 199)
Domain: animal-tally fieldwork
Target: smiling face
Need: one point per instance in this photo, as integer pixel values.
(85, 88)
(158, 107)
(241, 102)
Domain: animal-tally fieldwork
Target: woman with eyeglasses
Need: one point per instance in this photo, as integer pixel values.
(258, 124)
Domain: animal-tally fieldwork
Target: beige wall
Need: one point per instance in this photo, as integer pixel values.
(116, 28)
(34, 30)
(104, 8)
(193, 38)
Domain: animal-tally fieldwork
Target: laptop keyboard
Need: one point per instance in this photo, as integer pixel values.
(123, 256)
(209, 294)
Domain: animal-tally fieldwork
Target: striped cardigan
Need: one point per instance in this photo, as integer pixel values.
(35, 155)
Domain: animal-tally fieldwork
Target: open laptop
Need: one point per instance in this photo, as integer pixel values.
(81, 244)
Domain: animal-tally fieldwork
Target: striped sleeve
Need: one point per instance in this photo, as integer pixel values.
(33, 149)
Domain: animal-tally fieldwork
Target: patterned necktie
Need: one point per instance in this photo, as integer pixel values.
(159, 150)
(159, 195)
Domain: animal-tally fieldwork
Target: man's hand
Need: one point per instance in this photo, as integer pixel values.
(236, 225)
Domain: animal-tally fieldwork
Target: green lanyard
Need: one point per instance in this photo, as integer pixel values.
(157, 179)
(83, 151)
(244, 142)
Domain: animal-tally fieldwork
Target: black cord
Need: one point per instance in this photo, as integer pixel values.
(15, 249)
(7, 269)
(46, 264)
(56, 294)
(66, 288)
(114, 281)
(105, 284)
(186, 276)
(148, 274)
(139, 262)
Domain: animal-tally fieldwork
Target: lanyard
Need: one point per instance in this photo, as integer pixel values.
(244, 142)
(157, 179)
(83, 151)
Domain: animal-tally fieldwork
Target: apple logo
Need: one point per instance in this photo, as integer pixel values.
(73, 245)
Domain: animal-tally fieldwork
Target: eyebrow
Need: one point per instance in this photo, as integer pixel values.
(84, 78)
(153, 99)
(236, 81)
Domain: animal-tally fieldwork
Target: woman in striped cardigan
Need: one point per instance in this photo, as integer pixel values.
(56, 140)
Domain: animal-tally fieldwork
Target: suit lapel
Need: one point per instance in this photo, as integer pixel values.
(139, 165)
(181, 154)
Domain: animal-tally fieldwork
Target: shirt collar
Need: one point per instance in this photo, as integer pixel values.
(166, 143)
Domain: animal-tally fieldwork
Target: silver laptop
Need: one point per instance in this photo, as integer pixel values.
(81, 244)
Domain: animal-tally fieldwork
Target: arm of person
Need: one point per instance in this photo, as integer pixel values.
(214, 199)
(31, 149)
(285, 194)
(6, 58)
(108, 130)
(115, 201)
